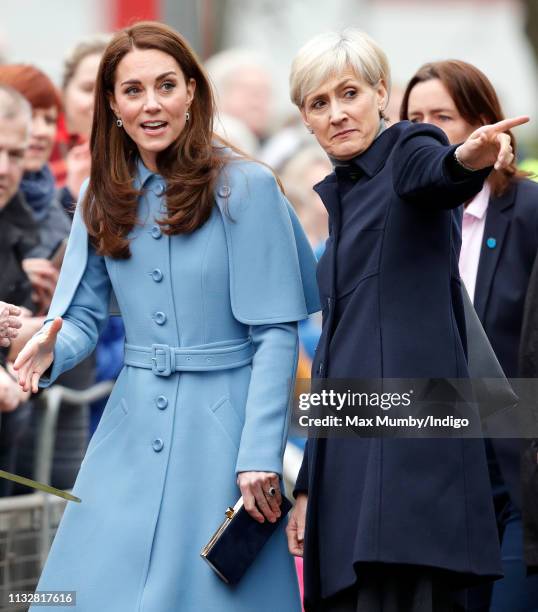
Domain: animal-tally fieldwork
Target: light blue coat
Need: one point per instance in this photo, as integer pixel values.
(161, 468)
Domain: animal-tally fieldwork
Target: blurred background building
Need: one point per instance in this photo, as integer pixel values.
(495, 35)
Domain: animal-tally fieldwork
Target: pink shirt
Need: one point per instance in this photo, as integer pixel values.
(474, 221)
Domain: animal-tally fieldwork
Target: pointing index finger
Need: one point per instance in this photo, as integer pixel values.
(508, 124)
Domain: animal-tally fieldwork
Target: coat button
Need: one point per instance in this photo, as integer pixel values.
(156, 232)
(157, 445)
(225, 191)
(162, 402)
(157, 275)
(160, 318)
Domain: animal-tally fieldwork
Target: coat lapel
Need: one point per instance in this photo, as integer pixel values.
(497, 222)
(328, 192)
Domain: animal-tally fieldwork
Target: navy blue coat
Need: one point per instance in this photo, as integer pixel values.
(507, 255)
(392, 307)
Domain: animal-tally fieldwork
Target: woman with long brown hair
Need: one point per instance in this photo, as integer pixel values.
(211, 271)
(499, 244)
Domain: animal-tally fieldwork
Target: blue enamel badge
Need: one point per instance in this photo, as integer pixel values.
(491, 243)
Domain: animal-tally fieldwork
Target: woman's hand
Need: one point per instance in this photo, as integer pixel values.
(30, 326)
(255, 487)
(296, 525)
(36, 357)
(9, 323)
(489, 146)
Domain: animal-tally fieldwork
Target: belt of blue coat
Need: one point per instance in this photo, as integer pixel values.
(164, 360)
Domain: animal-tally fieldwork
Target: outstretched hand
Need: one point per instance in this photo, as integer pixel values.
(36, 356)
(489, 145)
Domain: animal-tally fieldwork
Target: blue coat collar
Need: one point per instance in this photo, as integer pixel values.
(143, 174)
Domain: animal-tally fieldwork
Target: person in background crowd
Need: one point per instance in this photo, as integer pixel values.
(70, 160)
(43, 261)
(38, 185)
(392, 112)
(391, 524)
(243, 88)
(499, 244)
(18, 235)
(307, 167)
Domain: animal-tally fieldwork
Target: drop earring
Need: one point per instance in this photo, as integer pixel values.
(119, 122)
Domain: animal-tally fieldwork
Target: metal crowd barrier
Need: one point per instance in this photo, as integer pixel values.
(28, 522)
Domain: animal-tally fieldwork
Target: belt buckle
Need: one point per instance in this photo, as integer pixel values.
(161, 360)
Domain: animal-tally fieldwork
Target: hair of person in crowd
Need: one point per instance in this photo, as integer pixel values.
(14, 105)
(243, 87)
(92, 45)
(332, 53)
(190, 165)
(33, 84)
(475, 99)
(78, 82)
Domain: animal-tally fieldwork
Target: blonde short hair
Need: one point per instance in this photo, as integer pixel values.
(332, 53)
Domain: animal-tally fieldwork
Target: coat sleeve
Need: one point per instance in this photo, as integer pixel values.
(267, 412)
(425, 171)
(81, 299)
(272, 286)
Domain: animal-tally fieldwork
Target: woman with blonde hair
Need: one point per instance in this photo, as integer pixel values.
(390, 524)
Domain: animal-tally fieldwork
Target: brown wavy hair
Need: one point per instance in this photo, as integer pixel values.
(476, 100)
(190, 165)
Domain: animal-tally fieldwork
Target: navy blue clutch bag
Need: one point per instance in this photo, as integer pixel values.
(235, 544)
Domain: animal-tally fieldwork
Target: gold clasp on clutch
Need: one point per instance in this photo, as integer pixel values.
(229, 512)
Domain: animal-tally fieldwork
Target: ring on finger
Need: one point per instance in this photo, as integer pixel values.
(271, 491)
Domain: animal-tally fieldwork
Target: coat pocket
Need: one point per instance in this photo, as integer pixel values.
(110, 421)
(229, 419)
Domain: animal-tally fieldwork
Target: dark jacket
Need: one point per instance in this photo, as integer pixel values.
(506, 259)
(508, 250)
(53, 229)
(19, 234)
(528, 367)
(391, 292)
